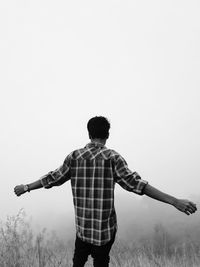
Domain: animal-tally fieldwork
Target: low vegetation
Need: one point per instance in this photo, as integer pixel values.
(20, 247)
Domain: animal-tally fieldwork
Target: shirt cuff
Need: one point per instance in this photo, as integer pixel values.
(45, 181)
(140, 188)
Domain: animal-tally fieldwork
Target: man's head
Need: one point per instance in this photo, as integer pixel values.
(98, 128)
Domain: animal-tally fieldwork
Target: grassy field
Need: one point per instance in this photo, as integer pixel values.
(19, 247)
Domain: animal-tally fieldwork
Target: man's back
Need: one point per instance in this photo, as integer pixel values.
(92, 180)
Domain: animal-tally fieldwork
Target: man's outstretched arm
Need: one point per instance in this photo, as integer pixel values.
(53, 178)
(183, 205)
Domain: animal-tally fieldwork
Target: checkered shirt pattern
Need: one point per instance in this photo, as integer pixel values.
(93, 171)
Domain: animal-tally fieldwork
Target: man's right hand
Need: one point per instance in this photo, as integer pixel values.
(185, 206)
(19, 190)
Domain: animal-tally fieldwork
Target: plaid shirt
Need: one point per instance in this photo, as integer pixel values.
(93, 171)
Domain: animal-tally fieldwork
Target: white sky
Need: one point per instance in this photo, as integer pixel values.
(62, 62)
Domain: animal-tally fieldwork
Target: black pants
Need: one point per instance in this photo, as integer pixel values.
(100, 254)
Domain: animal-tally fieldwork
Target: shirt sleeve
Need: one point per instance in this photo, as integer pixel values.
(58, 176)
(128, 180)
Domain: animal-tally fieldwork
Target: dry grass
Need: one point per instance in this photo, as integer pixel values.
(19, 247)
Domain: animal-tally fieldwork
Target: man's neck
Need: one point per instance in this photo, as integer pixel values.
(100, 141)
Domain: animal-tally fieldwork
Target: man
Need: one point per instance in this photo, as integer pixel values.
(93, 171)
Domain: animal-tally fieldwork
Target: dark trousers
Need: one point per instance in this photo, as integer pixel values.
(100, 254)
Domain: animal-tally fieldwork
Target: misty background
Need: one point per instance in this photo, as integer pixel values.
(137, 63)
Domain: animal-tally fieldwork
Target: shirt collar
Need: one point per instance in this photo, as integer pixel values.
(95, 144)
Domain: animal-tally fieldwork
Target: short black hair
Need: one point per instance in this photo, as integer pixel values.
(98, 127)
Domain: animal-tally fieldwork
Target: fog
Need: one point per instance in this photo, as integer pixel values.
(136, 63)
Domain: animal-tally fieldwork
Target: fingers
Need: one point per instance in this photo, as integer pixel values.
(186, 206)
(190, 208)
(19, 190)
(187, 212)
(193, 205)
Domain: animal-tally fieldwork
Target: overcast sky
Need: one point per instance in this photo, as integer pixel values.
(62, 62)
